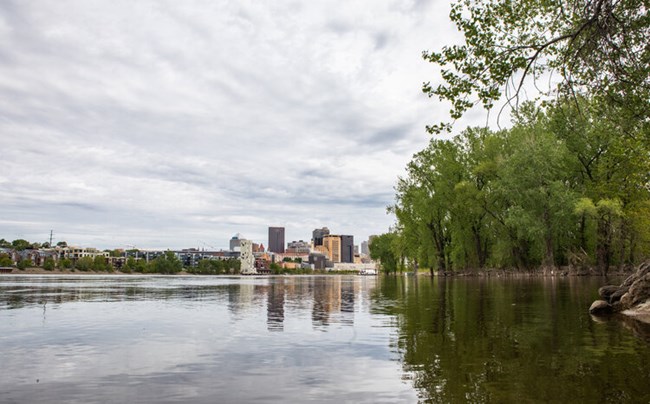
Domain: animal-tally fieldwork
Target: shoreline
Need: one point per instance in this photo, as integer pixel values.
(497, 273)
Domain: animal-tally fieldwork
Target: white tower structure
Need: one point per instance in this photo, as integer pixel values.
(247, 258)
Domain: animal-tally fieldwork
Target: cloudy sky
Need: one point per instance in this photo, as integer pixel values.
(174, 124)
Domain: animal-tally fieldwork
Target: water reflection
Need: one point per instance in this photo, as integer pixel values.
(330, 298)
(117, 339)
(194, 339)
(513, 340)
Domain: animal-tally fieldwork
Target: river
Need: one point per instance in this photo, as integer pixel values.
(190, 339)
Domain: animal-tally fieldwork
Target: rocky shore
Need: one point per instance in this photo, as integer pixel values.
(631, 298)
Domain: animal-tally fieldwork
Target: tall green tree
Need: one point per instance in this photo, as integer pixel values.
(21, 244)
(382, 249)
(594, 47)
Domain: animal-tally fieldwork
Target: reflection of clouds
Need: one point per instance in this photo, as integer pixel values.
(186, 346)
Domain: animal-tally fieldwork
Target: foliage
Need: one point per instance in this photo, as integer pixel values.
(65, 263)
(595, 47)
(84, 264)
(560, 183)
(5, 244)
(49, 264)
(5, 260)
(25, 263)
(167, 263)
(20, 244)
(133, 265)
(216, 267)
(100, 264)
(383, 248)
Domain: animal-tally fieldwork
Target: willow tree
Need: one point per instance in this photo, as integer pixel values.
(425, 197)
(594, 47)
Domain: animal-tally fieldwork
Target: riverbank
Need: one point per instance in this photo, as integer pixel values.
(65, 271)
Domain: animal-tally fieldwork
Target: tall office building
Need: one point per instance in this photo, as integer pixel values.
(235, 242)
(364, 248)
(318, 234)
(333, 245)
(347, 249)
(276, 240)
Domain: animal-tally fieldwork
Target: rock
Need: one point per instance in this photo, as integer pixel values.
(638, 294)
(607, 291)
(616, 296)
(600, 307)
(631, 297)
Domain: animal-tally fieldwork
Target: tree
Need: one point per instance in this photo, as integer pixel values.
(25, 263)
(596, 47)
(424, 198)
(382, 250)
(5, 244)
(20, 244)
(84, 264)
(49, 264)
(5, 260)
(99, 263)
(62, 244)
(167, 263)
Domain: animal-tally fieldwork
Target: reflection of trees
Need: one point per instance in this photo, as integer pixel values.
(509, 340)
(59, 291)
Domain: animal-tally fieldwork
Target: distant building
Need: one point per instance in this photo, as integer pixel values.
(347, 249)
(247, 258)
(276, 239)
(364, 248)
(333, 245)
(318, 261)
(318, 234)
(298, 247)
(235, 242)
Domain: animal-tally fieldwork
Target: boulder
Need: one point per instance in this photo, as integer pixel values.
(607, 291)
(616, 296)
(633, 296)
(600, 307)
(638, 293)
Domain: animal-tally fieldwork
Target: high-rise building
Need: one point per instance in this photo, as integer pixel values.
(347, 249)
(235, 242)
(318, 234)
(247, 258)
(364, 248)
(276, 240)
(333, 245)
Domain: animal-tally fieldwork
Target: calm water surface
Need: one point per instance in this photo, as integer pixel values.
(143, 339)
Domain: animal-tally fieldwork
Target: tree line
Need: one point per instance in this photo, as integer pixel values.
(567, 184)
(167, 263)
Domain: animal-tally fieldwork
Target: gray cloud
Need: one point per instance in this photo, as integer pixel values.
(162, 123)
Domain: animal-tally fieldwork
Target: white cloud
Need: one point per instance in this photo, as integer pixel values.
(163, 123)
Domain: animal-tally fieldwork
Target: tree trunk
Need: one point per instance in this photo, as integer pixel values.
(549, 259)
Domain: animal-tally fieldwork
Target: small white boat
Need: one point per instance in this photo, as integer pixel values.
(368, 272)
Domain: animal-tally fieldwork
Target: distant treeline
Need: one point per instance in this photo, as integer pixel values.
(167, 263)
(568, 184)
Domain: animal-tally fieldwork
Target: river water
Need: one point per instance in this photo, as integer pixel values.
(174, 339)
